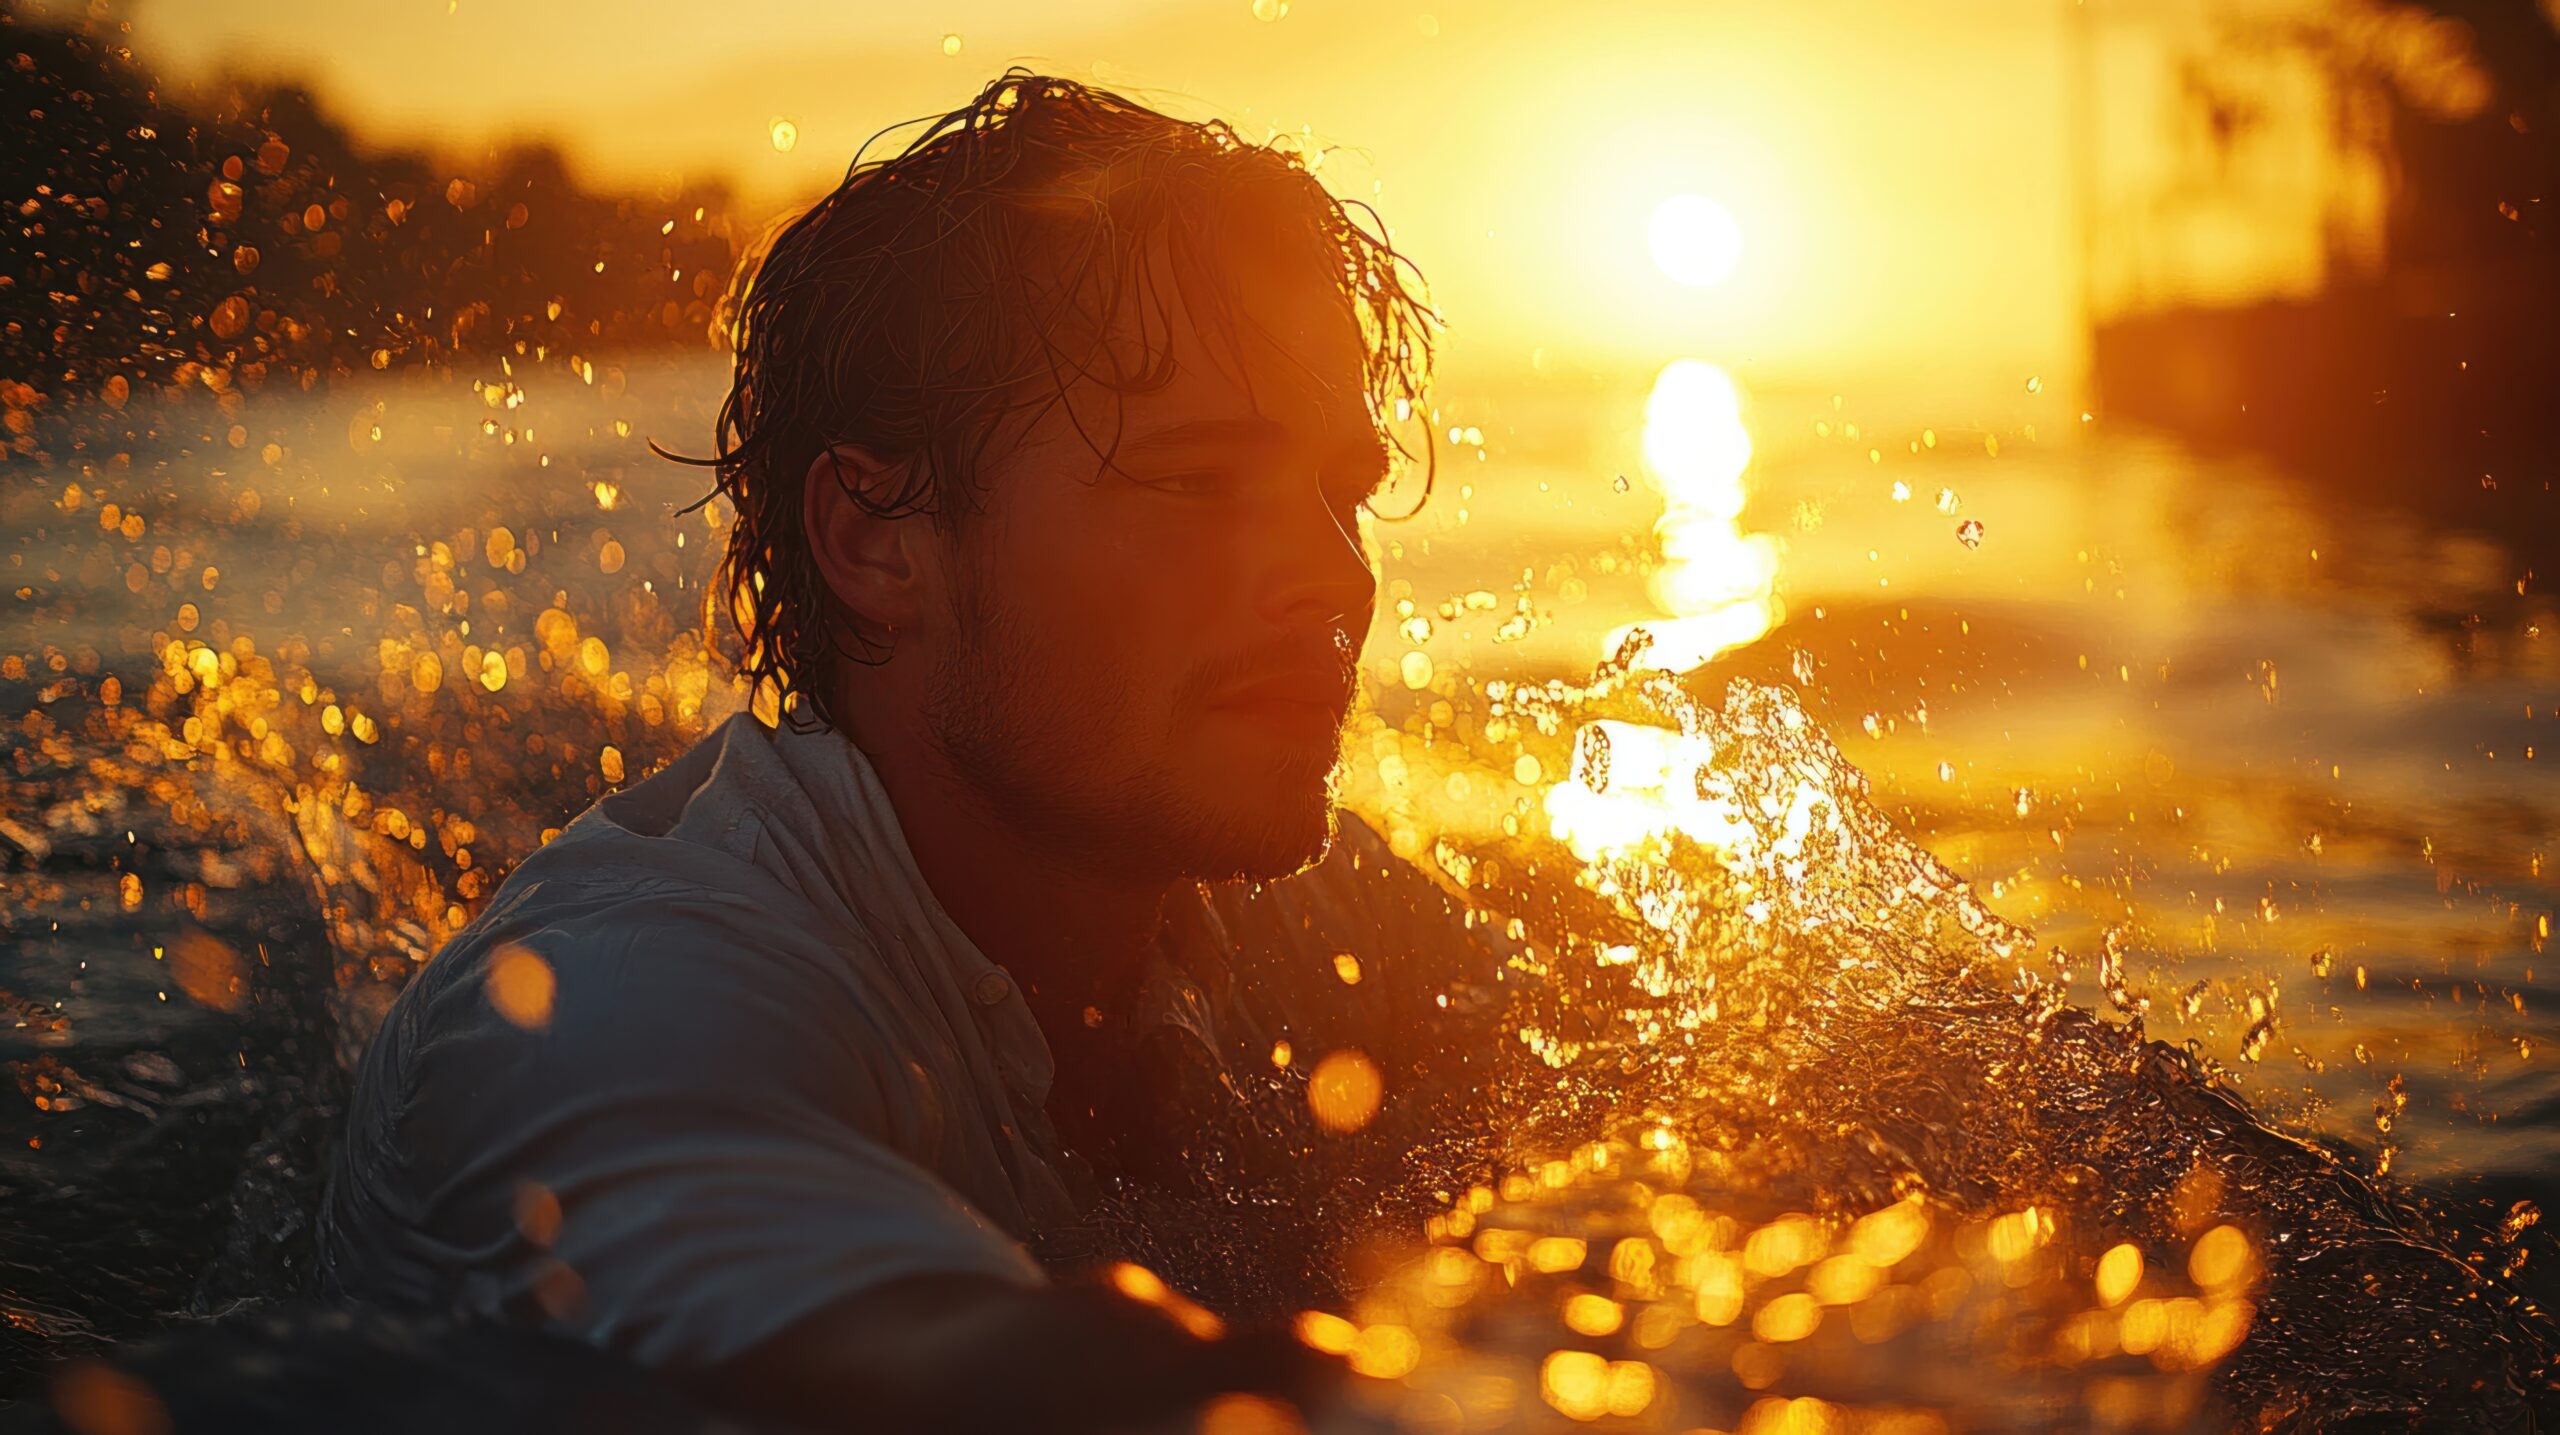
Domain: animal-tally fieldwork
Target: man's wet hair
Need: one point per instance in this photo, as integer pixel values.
(939, 297)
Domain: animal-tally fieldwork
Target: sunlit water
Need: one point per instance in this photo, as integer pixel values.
(2054, 730)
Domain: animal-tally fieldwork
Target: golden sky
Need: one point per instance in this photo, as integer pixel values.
(1901, 173)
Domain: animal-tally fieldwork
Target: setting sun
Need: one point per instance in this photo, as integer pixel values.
(1694, 240)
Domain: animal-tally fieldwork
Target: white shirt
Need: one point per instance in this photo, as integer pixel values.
(773, 1072)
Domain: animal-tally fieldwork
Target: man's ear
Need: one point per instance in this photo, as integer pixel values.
(873, 565)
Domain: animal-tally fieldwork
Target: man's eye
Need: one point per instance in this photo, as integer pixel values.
(1202, 482)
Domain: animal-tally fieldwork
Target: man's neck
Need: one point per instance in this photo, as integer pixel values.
(1070, 933)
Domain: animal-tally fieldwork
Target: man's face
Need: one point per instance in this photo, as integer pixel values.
(1149, 662)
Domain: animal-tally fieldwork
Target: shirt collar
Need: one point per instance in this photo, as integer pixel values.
(843, 832)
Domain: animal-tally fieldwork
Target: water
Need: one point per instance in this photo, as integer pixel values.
(2274, 779)
(2173, 699)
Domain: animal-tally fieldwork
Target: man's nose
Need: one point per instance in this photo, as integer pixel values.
(1322, 573)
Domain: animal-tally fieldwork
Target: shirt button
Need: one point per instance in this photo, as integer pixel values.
(990, 988)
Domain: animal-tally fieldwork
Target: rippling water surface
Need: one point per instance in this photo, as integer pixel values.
(2079, 968)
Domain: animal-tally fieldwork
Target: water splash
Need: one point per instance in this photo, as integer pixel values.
(1803, 1028)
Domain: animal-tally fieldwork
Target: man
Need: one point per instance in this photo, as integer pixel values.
(791, 1067)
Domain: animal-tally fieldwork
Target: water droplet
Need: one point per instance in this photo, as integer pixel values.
(2119, 1271)
(1344, 1090)
(520, 985)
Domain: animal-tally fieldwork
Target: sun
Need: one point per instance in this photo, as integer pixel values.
(1695, 240)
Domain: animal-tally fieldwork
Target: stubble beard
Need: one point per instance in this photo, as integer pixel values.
(1049, 752)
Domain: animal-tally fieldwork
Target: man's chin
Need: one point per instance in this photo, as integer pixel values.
(1264, 843)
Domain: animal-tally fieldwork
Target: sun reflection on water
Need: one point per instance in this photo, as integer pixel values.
(1717, 583)
(1632, 781)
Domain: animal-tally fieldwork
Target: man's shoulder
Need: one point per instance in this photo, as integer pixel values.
(598, 876)
(696, 901)
(602, 969)
(646, 919)
(643, 917)
(679, 854)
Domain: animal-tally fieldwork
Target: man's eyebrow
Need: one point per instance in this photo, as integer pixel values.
(1204, 432)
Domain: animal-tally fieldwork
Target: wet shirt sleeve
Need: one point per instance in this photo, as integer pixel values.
(673, 1137)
